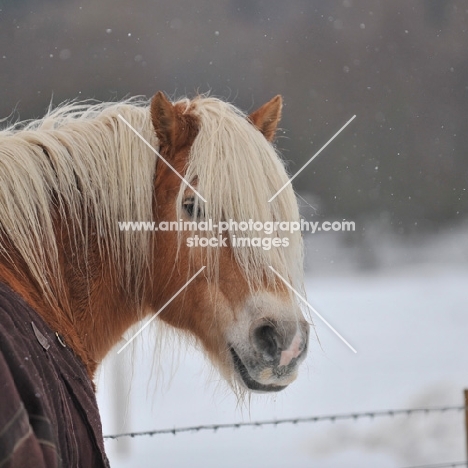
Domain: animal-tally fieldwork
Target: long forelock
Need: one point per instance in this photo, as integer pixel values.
(237, 171)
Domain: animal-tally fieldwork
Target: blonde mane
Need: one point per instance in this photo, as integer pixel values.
(82, 159)
(83, 163)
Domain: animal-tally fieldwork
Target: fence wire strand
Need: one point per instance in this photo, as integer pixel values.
(442, 465)
(299, 420)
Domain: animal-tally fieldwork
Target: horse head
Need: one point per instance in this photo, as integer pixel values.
(245, 317)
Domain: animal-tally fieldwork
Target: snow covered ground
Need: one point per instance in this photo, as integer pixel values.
(409, 325)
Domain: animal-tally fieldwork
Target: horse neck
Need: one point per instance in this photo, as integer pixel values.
(96, 278)
(100, 309)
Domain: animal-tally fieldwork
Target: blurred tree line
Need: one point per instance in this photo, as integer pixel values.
(401, 67)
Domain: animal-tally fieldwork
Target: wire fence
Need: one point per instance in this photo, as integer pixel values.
(299, 420)
(442, 465)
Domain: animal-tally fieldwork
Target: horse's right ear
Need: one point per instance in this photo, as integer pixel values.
(163, 117)
(267, 117)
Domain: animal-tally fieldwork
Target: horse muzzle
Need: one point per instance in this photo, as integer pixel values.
(269, 361)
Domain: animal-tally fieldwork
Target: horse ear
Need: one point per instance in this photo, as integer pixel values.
(267, 117)
(163, 117)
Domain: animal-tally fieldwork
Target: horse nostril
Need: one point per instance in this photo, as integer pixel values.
(281, 343)
(266, 340)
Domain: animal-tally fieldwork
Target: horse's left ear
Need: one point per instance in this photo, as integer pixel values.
(163, 117)
(267, 117)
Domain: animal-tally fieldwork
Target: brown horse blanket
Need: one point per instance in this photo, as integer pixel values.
(48, 411)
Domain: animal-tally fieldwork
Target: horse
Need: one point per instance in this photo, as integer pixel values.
(72, 282)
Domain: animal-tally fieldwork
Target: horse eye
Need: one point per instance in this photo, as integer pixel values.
(189, 206)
